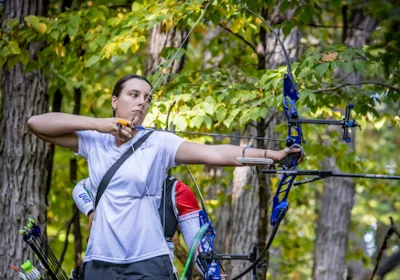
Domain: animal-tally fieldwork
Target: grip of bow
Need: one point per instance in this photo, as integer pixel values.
(280, 204)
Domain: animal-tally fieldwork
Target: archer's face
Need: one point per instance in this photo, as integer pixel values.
(131, 103)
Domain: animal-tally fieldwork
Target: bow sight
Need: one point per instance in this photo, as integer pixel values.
(291, 95)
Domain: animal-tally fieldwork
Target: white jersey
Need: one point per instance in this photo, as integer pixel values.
(126, 226)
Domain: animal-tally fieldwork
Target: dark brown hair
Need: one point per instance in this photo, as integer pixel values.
(121, 82)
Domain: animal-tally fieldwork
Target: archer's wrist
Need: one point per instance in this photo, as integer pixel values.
(276, 156)
(96, 124)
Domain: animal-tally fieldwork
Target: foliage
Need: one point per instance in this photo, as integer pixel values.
(221, 90)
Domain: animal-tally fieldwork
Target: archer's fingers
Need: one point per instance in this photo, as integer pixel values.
(122, 131)
(296, 148)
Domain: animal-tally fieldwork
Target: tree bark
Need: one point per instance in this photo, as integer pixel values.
(338, 195)
(74, 178)
(23, 172)
(161, 39)
(251, 193)
(182, 255)
(76, 221)
(244, 212)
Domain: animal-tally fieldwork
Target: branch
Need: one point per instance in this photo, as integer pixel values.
(389, 233)
(356, 84)
(388, 265)
(267, 123)
(127, 6)
(333, 26)
(394, 228)
(66, 238)
(240, 37)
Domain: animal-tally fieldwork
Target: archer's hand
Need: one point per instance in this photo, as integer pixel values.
(290, 153)
(120, 128)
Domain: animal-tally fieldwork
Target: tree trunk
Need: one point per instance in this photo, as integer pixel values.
(57, 101)
(161, 39)
(23, 172)
(338, 195)
(74, 179)
(251, 193)
(244, 212)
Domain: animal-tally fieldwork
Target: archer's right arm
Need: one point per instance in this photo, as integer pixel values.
(59, 128)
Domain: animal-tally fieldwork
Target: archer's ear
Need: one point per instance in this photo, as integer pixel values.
(114, 100)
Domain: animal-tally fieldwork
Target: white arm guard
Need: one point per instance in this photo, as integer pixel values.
(82, 198)
(190, 225)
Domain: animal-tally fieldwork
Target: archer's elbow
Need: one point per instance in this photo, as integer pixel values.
(33, 124)
(37, 124)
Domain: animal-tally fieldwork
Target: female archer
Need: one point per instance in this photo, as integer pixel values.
(181, 207)
(126, 239)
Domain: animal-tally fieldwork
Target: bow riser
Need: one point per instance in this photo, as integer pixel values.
(290, 97)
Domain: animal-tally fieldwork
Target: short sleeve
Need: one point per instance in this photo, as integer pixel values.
(171, 144)
(86, 141)
(82, 198)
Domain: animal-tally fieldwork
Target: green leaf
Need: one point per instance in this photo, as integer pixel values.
(41, 27)
(32, 20)
(216, 17)
(306, 14)
(221, 114)
(262, 112)
(347, 67)
(360, 67)
(267, 77)
(12, 23)
(321, 69)
(360, 52)
(24, 57)
(55, 34)
(246, 116)
(73, 25)
(74, 21)
(207, 121)
(236, 25)
(13, 61)
(197, 121)
(4, 52)
(228, 121)
(14, 47)
(101, 100)
(287, 28)
(92, 60)
(180, 122)
(136, 6)
(210, 100)
(284, 5)
(379, 124)
(124, 46)
(101, 41)
(208, 108)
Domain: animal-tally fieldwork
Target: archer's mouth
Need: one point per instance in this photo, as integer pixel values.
(138, 112)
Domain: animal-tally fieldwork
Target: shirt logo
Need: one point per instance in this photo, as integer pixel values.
(85, 198)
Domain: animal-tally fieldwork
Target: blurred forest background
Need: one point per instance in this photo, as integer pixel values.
(67, 55)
